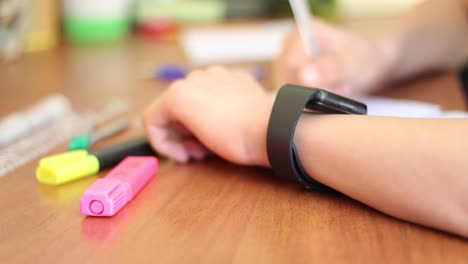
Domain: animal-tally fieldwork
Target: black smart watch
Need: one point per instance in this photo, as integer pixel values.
(291, 101)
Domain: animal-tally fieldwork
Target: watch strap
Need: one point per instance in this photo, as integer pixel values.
(287, 109)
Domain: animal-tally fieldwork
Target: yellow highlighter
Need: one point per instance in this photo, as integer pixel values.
(65, 167)
(77, 164)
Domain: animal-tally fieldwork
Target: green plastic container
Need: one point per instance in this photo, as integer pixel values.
(96, 21)
(82, 31)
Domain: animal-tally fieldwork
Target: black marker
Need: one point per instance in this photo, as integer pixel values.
(77, 164)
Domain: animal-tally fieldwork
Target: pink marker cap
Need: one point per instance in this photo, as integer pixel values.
(108, 195)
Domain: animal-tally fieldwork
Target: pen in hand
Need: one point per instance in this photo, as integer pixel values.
(303, 17)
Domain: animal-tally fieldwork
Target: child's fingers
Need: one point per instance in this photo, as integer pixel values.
(158, 119)
(195, 149)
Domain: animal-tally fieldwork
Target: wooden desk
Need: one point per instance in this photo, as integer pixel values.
(210, 212)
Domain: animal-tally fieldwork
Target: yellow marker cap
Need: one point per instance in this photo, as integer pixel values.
(66, 167)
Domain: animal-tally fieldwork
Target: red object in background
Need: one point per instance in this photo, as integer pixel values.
(156, 29)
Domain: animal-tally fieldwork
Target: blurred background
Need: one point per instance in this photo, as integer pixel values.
(33, 25)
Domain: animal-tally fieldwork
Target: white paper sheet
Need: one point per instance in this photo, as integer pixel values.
(235, 44)
(379, 106)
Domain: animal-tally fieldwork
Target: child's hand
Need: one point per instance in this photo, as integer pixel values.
(348, 64)
(214, 110)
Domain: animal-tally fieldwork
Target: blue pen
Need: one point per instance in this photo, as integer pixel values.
(172, 72)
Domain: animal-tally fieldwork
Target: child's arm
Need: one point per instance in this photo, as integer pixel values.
(432, 36)
(413, 169)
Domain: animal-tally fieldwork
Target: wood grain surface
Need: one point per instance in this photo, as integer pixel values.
(202, 212)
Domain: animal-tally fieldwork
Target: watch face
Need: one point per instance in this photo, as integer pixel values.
(327, 102)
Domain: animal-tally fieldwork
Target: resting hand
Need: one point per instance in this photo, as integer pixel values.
(215, 110)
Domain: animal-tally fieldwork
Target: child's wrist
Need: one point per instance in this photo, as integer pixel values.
(257, 148)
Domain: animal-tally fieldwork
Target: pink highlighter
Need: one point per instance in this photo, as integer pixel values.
(108, 195)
